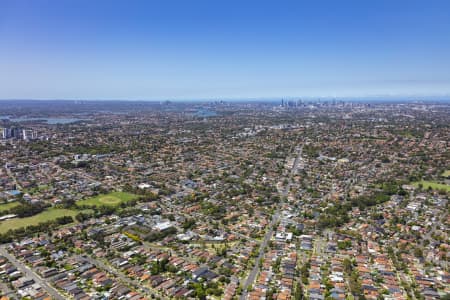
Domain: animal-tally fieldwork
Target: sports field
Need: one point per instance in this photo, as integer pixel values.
(111, 199)
(47, 215)
(433, 185)
(6, 206)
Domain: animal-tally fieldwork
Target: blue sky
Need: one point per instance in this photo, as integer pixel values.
(188, 49)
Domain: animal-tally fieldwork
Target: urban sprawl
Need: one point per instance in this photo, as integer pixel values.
(224, 200)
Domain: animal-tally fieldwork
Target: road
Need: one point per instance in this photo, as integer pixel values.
(30, 273)
(135, 284)
(275, 218)
(6, 291)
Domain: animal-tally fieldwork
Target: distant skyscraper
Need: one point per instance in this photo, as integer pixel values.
(15, 133)
(28, 134)
(4, 133)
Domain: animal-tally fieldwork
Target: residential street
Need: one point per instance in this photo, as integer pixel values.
(24, 269)
(275, 218)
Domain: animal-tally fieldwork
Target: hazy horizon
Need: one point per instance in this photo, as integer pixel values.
(381, 98)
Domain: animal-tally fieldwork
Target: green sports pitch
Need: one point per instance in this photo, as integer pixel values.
(47, 215)
(110, 199)
(433, 185)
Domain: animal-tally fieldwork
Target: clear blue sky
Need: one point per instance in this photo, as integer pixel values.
(187, 49)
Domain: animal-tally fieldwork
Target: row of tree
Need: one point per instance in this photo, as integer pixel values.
(47, 226)
(25, 209)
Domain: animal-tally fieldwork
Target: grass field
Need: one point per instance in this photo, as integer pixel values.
(433, 185)
(47, 215)
(446, 173)
(111, 199)
(5, 206)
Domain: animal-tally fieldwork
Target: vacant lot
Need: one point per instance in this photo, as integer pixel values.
(6, 206)
(47, 215)
(433, 185)
(111, 199)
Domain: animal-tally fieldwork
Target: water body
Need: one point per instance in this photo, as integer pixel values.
(204, 113)
(50, 121)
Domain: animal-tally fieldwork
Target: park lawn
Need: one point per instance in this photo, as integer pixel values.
(111, 199)
(47, 215)
(9, 205)
(446, 173)
(433, 185)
